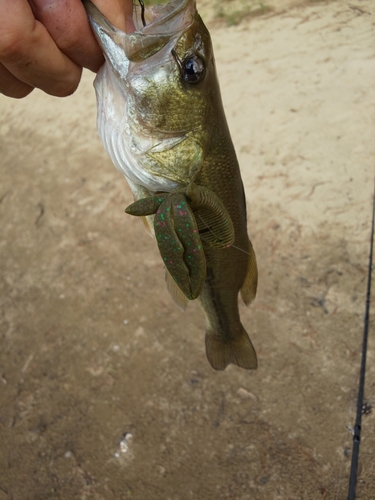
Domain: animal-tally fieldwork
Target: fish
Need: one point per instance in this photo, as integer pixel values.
(161, 119)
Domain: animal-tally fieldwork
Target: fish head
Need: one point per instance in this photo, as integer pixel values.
(164, 82)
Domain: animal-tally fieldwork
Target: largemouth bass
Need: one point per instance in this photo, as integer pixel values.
(161, 120)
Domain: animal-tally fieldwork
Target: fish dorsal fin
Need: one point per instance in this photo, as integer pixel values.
(249, 287)
(178, 296)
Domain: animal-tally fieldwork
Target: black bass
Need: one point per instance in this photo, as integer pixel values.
(161, 120)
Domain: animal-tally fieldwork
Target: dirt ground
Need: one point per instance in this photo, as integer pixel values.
(106, 393)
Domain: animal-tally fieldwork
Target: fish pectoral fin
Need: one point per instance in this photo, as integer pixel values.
(237, 350)
(149, 225)
(178, 296)
(165, 144)
(180, 163)
(249, 287)
(213, 220)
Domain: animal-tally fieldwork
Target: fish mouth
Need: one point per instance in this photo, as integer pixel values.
(162, 23)
(163, 19)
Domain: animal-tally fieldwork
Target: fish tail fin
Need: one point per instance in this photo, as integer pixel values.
(237, 349)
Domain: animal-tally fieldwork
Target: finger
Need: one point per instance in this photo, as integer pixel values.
(28, 51)
(11, 86)
(68, 25)
(118, 12)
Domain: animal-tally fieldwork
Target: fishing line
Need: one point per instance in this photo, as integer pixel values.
(240, 249)
(358, 421)
(216, 236)
(142, 12)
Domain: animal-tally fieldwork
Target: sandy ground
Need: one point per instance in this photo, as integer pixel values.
(92, 347)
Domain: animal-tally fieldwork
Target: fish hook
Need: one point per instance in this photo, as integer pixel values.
(142, 12)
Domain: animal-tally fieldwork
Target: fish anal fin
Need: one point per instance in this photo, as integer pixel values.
(237, 350)
(178, 296)
(249, 287)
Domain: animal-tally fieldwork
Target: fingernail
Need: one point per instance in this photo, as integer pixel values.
(41, 5)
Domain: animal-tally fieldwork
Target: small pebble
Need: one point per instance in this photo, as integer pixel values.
(246, 394)
(124, 444)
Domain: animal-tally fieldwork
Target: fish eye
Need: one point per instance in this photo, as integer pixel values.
(193, 69)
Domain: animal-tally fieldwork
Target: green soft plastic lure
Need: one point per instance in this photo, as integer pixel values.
(183, 221)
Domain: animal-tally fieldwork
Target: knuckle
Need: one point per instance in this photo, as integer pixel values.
(17, 92)
(12, 44)
(12, 86)
(68, 41)
(65, 91)
(21, 93)
(67, 88)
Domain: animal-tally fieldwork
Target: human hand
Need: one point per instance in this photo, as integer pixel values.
(46, 43)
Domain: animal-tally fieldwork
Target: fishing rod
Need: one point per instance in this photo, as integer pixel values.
(361, 387)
